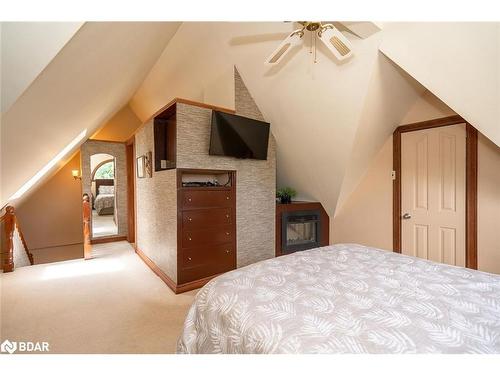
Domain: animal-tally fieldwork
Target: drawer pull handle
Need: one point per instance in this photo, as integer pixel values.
(189, 238)
(189, 199)
(227, 216)
(189, 258)
(227, 233)
(227, 198)
(190, 219)
(227, 251)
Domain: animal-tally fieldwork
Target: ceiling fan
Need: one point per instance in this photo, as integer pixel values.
(333, 39)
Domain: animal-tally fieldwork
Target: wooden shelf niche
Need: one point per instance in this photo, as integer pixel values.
(165, 140)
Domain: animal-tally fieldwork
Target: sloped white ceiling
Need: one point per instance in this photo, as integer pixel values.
(27, 48)
(457, 62)
(91, 78)
(391, 93)
(329, 119)
(315, 110)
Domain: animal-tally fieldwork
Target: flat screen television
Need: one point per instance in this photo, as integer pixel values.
(238, 136)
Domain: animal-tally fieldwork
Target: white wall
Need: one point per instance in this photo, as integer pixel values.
(457, 62)
(51, 218)
(27, 48)
(427, 107)
(390, 95)
(92, 77)
(366, 215)
(488, 194)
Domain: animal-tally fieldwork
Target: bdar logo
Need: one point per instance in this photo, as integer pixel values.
(24, 346)
(8, 347)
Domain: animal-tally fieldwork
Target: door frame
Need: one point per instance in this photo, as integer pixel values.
(470, 183)
(131, 208)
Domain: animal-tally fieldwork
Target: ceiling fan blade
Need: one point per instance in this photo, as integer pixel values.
(286, 45)
(336, 42)
(362, 29)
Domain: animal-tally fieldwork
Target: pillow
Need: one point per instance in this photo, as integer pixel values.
(106, 189)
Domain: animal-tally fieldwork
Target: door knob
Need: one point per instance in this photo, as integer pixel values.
(406, 216)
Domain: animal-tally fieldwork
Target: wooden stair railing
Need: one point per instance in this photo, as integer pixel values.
(23, 241)
(7, 254)
(87, 247)
(10, 226)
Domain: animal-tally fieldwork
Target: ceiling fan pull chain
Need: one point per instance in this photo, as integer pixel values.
(311, 46)
(315, 61)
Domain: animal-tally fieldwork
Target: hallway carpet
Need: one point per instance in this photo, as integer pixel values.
(112, 303)
(103, 225)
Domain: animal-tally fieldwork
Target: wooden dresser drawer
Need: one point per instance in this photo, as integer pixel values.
(201, 255)
(208, 236)
(200, 262)
(206, 198)
(206, 218)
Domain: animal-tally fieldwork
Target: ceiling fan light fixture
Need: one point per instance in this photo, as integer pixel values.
(336, 42)
(284, 48)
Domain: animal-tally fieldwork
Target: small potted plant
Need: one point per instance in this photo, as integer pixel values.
(286, 194)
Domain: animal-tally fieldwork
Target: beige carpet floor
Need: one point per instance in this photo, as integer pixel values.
(110, 304)
(103, 225)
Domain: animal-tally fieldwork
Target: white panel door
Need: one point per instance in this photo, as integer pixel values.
(433, 194)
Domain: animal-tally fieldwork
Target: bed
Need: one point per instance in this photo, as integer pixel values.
(346, 299)
(104, 202)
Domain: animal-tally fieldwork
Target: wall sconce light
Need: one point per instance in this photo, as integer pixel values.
(76, 174)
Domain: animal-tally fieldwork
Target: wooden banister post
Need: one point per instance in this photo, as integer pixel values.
(8, 253)
(87, 247)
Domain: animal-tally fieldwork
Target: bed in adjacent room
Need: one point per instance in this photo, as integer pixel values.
(104, 202)
(346, 299)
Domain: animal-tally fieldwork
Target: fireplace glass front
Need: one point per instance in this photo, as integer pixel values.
(300, 230)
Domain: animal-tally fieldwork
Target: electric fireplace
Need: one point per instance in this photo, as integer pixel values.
(300, 230)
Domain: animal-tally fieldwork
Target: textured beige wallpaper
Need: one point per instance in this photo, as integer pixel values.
(156, 197)
(90, 148)
(255, 192)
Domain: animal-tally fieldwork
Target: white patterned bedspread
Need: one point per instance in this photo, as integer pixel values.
(346, 299)
(103, 201)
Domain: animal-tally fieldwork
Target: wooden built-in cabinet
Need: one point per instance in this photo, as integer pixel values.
(206, 227)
